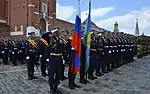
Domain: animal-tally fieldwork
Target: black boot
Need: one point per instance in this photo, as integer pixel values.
(71, 86)
(44, 74)
(91, 77)
(99, 74)
(52, 89)
(75, 85)
(83, 81)
(29, 78)
(56, 90)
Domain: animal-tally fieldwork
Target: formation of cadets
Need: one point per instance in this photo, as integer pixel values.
(108, 52)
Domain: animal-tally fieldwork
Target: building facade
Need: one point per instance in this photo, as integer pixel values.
(4, 27)
(17, 15)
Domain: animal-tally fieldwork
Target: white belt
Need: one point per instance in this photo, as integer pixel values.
(15, 48)
(106, 46)
(115, 46)
(111, 46)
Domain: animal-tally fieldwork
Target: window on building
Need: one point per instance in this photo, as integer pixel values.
(21, 27)
(15, 28)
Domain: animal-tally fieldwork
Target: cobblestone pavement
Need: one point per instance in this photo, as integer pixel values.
(133, 78)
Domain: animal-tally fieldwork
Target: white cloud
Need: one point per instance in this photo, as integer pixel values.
(97, 12)
(64, 12)
(127, 22)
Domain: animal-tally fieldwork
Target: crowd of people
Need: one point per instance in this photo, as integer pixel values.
(108, 51)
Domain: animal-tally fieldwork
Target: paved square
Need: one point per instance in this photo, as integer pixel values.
(133, 78)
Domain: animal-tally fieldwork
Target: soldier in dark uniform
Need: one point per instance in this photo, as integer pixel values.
(5, 53)
(42, 50)
(1, 49)
(107, 53)
(30, 52)
(55, 61)
(100, 55)
(93, 57)
(62, 76)
(83, 74)
(14, 53)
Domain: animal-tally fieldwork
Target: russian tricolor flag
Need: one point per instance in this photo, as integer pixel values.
(76, 42)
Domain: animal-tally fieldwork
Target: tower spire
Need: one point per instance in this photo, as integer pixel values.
(137, 28)
(116, 29)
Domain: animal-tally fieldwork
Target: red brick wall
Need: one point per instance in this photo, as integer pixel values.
(63, 24)
(4, 30)
(18, 14)
(2, 10)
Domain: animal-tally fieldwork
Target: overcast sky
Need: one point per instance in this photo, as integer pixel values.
(106, 12)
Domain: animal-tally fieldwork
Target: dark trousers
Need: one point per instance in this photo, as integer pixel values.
(43, 65)
(21, 57)
(54, 70)
(62, 70)
(92, 63)
(100, 62)
(71, 75)
(82, 69)
(30, 64)
(5, 57)
(14, 58)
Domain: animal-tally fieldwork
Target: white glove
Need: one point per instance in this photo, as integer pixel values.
(109, 52)
(63, 61)
(117, 51)
(40, 56)
(2, 52)
(27, 57)
(47, 60)
(72, 48)
(13, 53)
